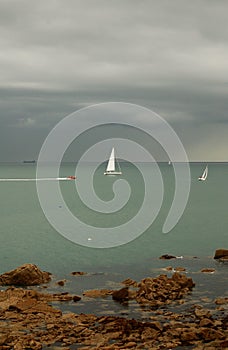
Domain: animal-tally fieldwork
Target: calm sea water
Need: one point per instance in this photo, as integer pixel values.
(26, 235)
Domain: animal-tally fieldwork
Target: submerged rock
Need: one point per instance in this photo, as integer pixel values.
(25, 275)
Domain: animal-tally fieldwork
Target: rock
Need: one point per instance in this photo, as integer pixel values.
(96, 293)
(28, 321)
(78, 273)
(200, 312)
(207, 270)
(121, 294)
(206, 322)
(190, 334)
(179, 268)
(61, 283)
(129, 282)
(221, 253)
(76, 298)
(167, 256)
(224, 259)
(25, 275)
(221, 301)
(163, 290)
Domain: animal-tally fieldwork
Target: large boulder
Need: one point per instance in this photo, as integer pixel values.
(25, 275)
(221, 254)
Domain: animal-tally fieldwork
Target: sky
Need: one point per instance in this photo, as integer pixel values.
(59, 56)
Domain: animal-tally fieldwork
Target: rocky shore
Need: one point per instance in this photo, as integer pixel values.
(28, 320)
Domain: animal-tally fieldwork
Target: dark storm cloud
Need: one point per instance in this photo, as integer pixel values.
(57, 56)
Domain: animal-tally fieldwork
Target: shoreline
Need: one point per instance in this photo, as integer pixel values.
(31, 317)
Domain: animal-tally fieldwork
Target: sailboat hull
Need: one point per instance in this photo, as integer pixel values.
(201, 179)
(112, 173)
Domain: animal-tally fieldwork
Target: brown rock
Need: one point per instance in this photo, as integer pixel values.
(179, 268)
(130, 282)
(159, 290)
(211, 334)
(221, 301)
(97, 293)
(25, 275)
(76, 298)
(200, 312)
(167, 257)
(208, 270)
(190, 334)
(78, 273)
(121, 294)
(61, 283)
(221, 253)
(3, 339)
(205, 322)
(129, 345)
(224, 259)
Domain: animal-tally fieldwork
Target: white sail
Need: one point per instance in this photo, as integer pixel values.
(111, 167)
(111, 162)
(204, 175)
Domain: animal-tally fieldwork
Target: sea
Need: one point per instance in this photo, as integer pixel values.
(26, 235)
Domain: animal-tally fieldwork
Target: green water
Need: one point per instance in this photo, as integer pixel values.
(27, 237)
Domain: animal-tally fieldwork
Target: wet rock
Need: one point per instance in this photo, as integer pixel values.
(221, 254)
(180, 269)
(25, 275)
(97, 293)
(33, 324)
(188, 335)
(220, 301)
(207, 270)
(155, 291)
(121, 294)
(76, 298)
(167, 256)
(224, 259)
(205, 322)
(129, 282)
(61, 283)
(78, 273)
(200, 312)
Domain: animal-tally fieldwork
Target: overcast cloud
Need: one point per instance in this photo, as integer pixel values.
(58, 56)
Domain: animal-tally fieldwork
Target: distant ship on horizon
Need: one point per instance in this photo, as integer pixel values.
(29, 161)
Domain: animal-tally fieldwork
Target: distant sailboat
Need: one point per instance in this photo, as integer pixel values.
(111, 167)
(204, 175)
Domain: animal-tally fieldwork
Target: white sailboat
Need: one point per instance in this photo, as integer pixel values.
(111, 167)
(204, 175)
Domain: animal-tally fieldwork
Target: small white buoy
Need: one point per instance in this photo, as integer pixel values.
(89, 239)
